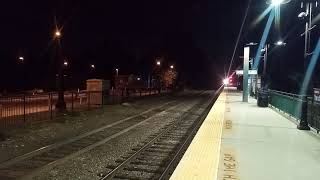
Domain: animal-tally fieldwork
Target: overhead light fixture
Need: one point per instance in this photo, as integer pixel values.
(252, 44)
(280, 43)
(302, 15)
(277, 2)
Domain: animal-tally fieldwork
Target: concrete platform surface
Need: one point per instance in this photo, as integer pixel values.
(252, 144)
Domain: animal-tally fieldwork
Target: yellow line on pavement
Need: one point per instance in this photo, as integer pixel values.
(201, 160)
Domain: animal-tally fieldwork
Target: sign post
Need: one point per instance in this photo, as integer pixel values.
(245, 96)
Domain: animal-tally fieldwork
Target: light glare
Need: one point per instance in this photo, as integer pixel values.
(57, 33)
(226, 81)
(302, 14)
(280, 43)
(277, 2)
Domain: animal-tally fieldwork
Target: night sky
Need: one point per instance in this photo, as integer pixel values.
(197, 36)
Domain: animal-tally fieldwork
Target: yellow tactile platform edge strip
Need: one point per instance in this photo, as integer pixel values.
(201, 160)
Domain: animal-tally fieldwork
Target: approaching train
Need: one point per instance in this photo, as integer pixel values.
(233, 81)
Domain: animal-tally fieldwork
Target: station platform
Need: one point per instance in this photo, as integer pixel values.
(242, 141)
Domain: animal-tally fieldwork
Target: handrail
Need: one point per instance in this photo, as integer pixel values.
(288, 102)
(288, 94)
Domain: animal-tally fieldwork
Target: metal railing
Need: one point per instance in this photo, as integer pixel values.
(288, 103)
(297, 106)
(313, 114)
(27, 109)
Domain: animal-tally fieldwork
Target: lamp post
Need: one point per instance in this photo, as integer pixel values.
(21, 62)
(275, 4)
(65, 63)
(266, 51)
(307, 15)
(21, 59)
(150, 76)
(117, 72)
(92, 72)
(61, 104)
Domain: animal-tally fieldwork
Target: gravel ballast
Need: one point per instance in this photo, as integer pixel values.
(90, 164)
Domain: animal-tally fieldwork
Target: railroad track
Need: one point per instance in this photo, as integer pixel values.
(29, 165)
(157, 157)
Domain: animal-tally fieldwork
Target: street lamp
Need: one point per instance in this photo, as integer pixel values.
(21, 62)
(307, 15)
(21, 59)
(57, 33)
(302, 15)
(117, 72)
(65, 63)
(171, 67)
(252, 44)
(265, 57)
(150, 73)
(280, 43)
(61, 104)
(92, 66)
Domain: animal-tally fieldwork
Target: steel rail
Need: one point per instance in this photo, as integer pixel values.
(131, 157)
(189, 139)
